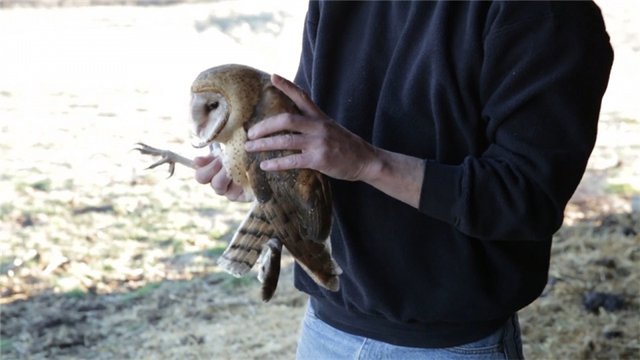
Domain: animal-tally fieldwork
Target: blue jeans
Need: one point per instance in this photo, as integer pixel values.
(320, 341)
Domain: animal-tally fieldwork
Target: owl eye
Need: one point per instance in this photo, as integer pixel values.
(212, 106)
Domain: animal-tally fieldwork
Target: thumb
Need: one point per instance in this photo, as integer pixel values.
(296, 94)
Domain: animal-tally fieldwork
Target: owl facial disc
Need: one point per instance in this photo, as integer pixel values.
(209, 115)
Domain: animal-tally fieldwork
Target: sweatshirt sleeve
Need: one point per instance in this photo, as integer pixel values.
(541, 86)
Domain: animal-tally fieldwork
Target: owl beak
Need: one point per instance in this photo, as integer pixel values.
(198, 145)
(198, 137)
(207, 131)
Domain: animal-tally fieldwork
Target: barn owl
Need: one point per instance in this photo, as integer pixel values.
(290, 208)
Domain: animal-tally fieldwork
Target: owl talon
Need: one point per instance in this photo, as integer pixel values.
(172, 165)
(168, 157)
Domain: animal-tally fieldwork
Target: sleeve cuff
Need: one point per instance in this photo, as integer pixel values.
(441, 191)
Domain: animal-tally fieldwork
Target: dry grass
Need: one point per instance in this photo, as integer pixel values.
(591, 256)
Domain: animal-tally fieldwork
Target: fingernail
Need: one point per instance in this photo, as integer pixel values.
(276, 77)
(265, 165)
(248, 145)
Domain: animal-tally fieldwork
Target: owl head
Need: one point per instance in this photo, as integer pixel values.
(223, 99)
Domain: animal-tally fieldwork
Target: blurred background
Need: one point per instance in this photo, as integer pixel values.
(102, 259)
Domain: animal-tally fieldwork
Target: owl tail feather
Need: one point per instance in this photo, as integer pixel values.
(322, 269)
(247, 243)
(270, 268)
(313, 256)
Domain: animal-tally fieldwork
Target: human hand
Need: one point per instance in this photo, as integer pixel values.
(209, 170)
(323, 144)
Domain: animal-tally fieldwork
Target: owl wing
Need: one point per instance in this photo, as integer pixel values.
(311, 195)
(306, 190)
(292, 208)
(313, 256)
(276, 195)
(297, 203)
(247, 243)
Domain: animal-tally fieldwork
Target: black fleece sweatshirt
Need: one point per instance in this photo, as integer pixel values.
(501, 100)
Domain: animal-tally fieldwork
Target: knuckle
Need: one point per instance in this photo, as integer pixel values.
(270, 142)
(303, 94)
(322, 153)
(216, 164)
(288, 139)
(325, 126)
(287, 120)
(321, 148)
(292, 161)
(319, 161)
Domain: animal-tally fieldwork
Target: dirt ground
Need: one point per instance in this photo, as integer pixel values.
(101, 259)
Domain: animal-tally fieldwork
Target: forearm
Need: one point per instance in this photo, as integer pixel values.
(397, 175)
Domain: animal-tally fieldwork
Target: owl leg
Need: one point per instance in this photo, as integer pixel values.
(270, 268)
(168, 157)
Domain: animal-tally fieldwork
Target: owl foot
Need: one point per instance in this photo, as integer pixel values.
(168, 157)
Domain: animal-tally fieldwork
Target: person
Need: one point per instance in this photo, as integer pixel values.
(454, 134)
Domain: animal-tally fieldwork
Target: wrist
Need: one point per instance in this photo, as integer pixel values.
(397, 175)
(373, 168)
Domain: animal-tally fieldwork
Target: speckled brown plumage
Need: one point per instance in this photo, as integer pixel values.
(291, 208)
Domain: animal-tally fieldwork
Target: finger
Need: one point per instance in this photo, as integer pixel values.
(278, 123)
(235, 192)
(221, 183)
(201, 161)
(294, 161)
(205, 173)
(245, 197)
(299, 96)
(278, 142)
